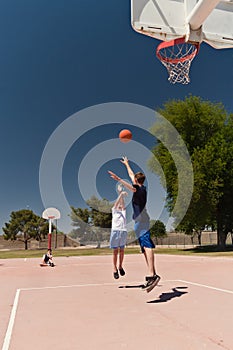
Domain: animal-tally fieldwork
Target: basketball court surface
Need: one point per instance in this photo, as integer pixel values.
(78, 305)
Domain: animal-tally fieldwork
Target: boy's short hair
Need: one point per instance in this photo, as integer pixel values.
(140, 177)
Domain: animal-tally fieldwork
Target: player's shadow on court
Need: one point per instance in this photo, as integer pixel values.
(164, 297)
(134, 286)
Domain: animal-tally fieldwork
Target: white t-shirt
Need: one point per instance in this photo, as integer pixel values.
(118, 219)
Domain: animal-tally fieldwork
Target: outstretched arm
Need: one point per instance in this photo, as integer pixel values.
(120, 200)
(123, 182)
(131, 174)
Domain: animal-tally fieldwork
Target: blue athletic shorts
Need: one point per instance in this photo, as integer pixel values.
(118, 239)
(142, 230)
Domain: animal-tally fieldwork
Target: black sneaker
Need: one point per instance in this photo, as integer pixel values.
(122, 271)
(116, 275)
(147, 278)
(152, 281)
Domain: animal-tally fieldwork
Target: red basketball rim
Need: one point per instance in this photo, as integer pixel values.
(167, 44)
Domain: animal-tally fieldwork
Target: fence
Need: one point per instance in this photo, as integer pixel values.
(59, 240)
(173, 240)
(182, 240)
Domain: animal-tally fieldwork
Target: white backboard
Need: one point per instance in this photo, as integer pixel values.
(168, 19)
(51, 213)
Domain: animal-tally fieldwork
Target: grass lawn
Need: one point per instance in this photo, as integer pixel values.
(203, 251)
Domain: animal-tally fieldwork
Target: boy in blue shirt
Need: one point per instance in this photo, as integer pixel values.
(142, 221)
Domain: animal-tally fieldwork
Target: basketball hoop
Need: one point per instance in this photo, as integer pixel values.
(177, 55)
(50, 214)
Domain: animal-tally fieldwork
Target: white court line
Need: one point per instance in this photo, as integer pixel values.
(125, 282)
(80, 285)
(7, 339)
(205, 286)
(37, 266)
(89, 264)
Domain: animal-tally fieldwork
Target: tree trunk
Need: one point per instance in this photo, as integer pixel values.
(192, 239)
(65, 240)
(221, 238)
(25, 239)
(199, 237)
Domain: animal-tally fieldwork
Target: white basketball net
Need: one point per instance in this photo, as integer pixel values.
(176, 56)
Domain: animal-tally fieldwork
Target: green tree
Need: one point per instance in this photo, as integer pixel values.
(80, 220)
(24, 225)
(206, 129)
(157, 229)
(92, 224)
(224, 217)
(192, 229)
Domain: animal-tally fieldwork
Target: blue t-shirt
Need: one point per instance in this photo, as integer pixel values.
(139, 203)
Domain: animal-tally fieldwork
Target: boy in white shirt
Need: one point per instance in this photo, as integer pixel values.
(118, 232)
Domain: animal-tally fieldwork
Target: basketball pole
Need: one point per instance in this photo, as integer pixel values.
(55, 246)
(200, 12)
(50, 234)
(50, 214)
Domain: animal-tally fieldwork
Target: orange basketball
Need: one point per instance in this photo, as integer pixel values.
(125, 135)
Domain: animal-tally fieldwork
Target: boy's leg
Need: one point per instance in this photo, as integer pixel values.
(115, 253)
(121, 257)
(144, 253)
(115, 271)
(152, 279)
(149, 256)
(122, 243)
(122, 252)
(147, 245)
(147, 249)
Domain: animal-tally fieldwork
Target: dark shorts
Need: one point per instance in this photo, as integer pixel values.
(142, 230)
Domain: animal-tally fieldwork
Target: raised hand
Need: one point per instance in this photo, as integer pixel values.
(124, 160)
(114, 176)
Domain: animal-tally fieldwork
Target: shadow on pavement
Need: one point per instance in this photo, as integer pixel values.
(134, 286)
(164, 297)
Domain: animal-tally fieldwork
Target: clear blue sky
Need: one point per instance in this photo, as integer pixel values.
(59, 57)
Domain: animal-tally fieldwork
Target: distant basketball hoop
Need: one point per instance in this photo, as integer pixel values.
(50, 214)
